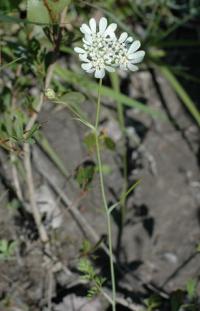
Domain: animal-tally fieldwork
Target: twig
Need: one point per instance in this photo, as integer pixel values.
(31, 190)
(130, 305)
(15, 177)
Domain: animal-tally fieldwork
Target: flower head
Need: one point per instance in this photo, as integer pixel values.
(102, 50)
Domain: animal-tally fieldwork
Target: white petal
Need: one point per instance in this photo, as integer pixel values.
(134, 46)
(83, 57)
(79, 50)
(123, 37)
(91, 70)
(103, 24)
(88, 39)
(123, 67)
(99, 74)
(85, 29)
(86, 42)
(93, 25)
(129, 39)
(132, 67)
(86, 66)
(136, 57)
(110, 69)
(110, 31)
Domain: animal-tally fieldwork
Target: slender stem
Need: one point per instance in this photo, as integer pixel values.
(104, 199)
(98, 106)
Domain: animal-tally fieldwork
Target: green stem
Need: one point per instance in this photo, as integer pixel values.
(104, 198)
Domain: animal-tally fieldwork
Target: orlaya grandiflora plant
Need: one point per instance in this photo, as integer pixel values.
(102, 50)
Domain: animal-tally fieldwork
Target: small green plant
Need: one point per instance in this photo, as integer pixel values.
(153, 302)
(191, 288)
(89, 274)
(7, 249)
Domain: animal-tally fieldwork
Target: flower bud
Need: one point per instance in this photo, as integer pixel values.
(50, 94)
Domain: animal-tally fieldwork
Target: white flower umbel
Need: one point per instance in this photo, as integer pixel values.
(95, 52)
(126, 54)
(102, 50)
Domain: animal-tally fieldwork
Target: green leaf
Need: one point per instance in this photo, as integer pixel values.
(153, 302)
(191, 287)
(58, 6)
(84, 174)
(109, 143)
(37, 12)
(45, 11)
(190, 105)
(80, 80)
(90, 141)
(86, 267)
(124, 195)
(86, 247)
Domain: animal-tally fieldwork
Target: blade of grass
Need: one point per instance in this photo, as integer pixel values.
(180, 91)
(46, 146)
(11, 63)
(90, 86)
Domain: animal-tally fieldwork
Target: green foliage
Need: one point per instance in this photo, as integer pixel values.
(191, 288)
(89, 274)
(6, 249)
(84, 174)
(9, 5)
(45, 11)
(104, 140)
(85, 248)
(90, 142)
(108, 142)
(37, 12)
(153, 302)
(12, 124)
